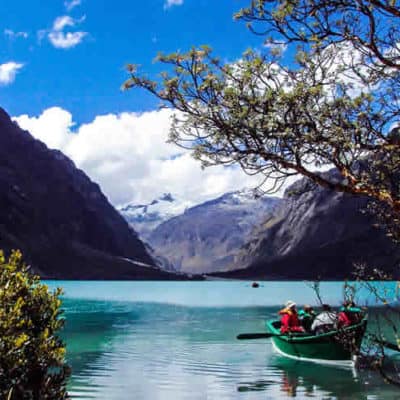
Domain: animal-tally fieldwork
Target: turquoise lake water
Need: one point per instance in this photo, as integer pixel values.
(177, 341)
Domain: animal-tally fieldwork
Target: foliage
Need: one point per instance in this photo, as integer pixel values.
(330, 102)
(371, 26)
(383, 322)
(322, 92)
(383, 333)
(32, 363)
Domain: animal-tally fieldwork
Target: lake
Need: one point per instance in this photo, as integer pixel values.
(177, 340)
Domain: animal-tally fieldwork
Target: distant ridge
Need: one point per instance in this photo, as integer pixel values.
(312, 233)
(322, 234)
(208, 236)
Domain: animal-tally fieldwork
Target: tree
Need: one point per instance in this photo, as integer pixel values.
(324, 91)
(32, 355)
(334, 103)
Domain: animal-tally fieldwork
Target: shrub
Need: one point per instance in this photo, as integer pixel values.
(32, 355)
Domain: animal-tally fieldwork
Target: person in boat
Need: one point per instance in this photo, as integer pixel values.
(289, 318)
(325, 321)
(306, 316)
(349, 314)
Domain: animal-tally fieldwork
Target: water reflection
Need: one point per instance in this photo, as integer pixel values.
(121, 350)
(308, 380)
(290, 382)
(91, 329)
(299, 379)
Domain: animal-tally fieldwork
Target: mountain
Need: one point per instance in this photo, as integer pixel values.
(60, 219)
(320, 236)
(146, 217)
(207, 237)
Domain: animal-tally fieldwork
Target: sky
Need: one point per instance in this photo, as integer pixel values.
(62, 63)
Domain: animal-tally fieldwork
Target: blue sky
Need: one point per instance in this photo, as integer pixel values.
(85, 78)
(61, 69)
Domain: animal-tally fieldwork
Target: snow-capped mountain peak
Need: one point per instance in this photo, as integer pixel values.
(145, 217)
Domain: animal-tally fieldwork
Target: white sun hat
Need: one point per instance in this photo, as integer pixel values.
(290, 304)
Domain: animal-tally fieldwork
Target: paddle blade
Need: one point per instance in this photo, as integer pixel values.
(248, 336)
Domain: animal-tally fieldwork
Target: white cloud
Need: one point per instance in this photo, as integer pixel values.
(67, 40)
(276, 47)
(61, 22)
(61, 39)
(128, 156)
(52, 127)
(14, 35)
(70, 4)
(170, 3)
(8, 71)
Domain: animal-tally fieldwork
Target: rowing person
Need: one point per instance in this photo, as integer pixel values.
(349, 314)
(325, 321)
(306, 316)
(289, 318)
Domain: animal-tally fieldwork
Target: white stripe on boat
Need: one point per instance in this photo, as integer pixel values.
(340, 363)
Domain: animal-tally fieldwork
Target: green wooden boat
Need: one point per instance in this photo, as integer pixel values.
(338, 347)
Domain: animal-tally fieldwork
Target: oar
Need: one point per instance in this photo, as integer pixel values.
(389, 345)
(264, 335)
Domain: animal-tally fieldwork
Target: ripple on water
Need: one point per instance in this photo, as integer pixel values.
(148, 351)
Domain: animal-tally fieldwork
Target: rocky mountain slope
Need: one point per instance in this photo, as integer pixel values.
(60, 219)
(206, 238)
(321, 235)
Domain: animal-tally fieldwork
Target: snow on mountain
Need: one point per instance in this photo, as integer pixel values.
(145, 217)
(207, 237)
(322, 234)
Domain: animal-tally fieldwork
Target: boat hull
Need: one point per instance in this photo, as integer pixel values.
(336, 347)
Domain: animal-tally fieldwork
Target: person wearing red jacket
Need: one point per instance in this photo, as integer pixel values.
(349, 314)
(289, 319)
(344, 319)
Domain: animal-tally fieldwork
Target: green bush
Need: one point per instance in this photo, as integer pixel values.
(32, 355)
